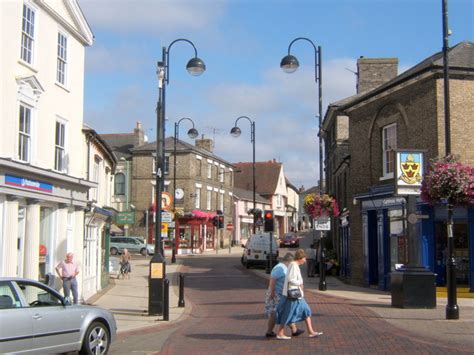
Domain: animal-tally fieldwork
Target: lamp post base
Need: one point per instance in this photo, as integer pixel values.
(413, 287)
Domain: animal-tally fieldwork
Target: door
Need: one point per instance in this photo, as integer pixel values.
(373, 247)
(16, 329)
(56, 327)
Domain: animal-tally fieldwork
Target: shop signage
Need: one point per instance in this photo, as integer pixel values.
(409, 172)
(28, 183)
(126, 217)
(322, 224)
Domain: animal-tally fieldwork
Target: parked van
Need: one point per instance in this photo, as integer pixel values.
(257, 250)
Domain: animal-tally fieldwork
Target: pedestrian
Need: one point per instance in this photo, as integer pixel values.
(67, 270)
(311, 260)
(294, 310)
(273, 295)
(125, 267)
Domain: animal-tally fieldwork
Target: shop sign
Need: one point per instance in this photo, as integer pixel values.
(28, 183)
(409, 172)
(126, 217)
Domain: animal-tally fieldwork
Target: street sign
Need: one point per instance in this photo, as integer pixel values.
(322, 224)
(166, 217)
(166, 200)
(125, 217)
(164, 230)
(230, 227)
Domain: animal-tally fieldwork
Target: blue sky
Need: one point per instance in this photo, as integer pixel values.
(242, 43)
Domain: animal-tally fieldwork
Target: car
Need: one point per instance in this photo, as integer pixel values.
(257, 250)
(37, 319)
(290, 240)
(132, 244)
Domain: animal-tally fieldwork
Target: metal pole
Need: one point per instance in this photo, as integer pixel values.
(252, 128)
(322, 264)
(173, 244)
(452, 309)
(166, 301)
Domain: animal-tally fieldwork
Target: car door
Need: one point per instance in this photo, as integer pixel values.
(55, 326)
(16, 330)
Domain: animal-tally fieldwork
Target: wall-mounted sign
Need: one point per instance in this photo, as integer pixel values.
(125, 218)
(28, 183)
(322, 224)
(409, 172)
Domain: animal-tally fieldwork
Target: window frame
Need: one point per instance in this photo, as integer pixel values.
(388, 156)
(28, 38)
(24, 154)
(197, 202)
(117, 183)
(60, 163)
(62, 63)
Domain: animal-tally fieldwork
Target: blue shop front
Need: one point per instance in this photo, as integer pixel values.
(385, 243)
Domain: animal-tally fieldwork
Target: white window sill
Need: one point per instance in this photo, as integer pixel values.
(386, 177)
(28, 65)
(62, 87)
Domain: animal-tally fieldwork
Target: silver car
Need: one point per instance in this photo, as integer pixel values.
(34, 318)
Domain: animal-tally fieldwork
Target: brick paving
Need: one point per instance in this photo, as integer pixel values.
(227, 318)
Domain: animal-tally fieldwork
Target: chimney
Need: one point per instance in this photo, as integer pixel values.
(139, 134)
(373, 72)
(205, 143)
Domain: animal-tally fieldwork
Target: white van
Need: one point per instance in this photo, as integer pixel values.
(257, 249)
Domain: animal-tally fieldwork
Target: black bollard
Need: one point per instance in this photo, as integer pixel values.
(173, 252)
(166, 300)
(181, 291)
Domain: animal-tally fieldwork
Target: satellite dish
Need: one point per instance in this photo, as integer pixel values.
(178, 194)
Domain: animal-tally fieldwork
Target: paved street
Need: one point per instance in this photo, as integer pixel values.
(226, 316)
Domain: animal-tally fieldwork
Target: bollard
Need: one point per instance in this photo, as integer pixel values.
(181, 291)
(166, 300)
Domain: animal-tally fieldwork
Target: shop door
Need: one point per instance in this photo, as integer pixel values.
(373, 248)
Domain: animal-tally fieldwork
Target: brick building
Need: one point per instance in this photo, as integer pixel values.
(403, 112)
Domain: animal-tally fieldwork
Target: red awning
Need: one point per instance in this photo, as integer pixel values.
(202, 214)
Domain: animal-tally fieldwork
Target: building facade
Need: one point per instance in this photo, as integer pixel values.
(407, 112)
(43, 188)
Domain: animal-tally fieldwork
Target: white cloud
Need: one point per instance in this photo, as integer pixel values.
(152, 16)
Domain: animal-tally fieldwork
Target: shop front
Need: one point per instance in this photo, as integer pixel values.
(195, 233)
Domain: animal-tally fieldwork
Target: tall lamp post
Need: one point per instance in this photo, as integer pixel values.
(290, 64)
(452, 309)
(192, 133)
(235, 132)
(157, 272)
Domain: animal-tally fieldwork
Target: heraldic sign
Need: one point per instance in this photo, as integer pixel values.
(409, 172)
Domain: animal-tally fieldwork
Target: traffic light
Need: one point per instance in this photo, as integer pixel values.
(219, 219)
(215, 221)
(221, 222)
(268, 221)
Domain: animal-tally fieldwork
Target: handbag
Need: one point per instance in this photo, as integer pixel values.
(294, 293)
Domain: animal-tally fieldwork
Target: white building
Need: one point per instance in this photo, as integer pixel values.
(43, 188)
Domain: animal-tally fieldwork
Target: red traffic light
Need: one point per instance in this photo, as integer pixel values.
(268, 214)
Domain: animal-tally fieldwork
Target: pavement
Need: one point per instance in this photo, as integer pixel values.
(128, 301)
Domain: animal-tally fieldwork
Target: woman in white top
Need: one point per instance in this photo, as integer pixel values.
(294, 310)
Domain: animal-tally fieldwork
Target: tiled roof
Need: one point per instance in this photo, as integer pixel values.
(460, 56)
(247, 195)
(181, 146)
(121, 143)
(266, 176)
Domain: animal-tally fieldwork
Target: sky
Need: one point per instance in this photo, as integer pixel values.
(242, 43)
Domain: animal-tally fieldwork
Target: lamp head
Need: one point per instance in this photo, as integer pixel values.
(193, 133)
(289, 64)
(235, 132)
(195, 66)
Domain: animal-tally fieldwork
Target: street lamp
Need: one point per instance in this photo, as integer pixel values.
(290, 64)
(192, 133)
(236, 132)
(157, 273)
(452, 309)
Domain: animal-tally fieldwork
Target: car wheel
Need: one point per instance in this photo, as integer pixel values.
(96, 340)
(113, 251)
(143, 251)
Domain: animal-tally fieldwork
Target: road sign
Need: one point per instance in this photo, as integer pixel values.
(322, 224)
(164, 230)
(125, 218)
(230, 227)
(166, 217)
(166, 200)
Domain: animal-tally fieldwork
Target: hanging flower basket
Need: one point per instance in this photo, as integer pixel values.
(317, 205)
(448, 182)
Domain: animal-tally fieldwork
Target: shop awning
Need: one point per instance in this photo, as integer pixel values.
(202, 214)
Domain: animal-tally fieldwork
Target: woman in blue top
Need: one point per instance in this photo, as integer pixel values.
(291, 311)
